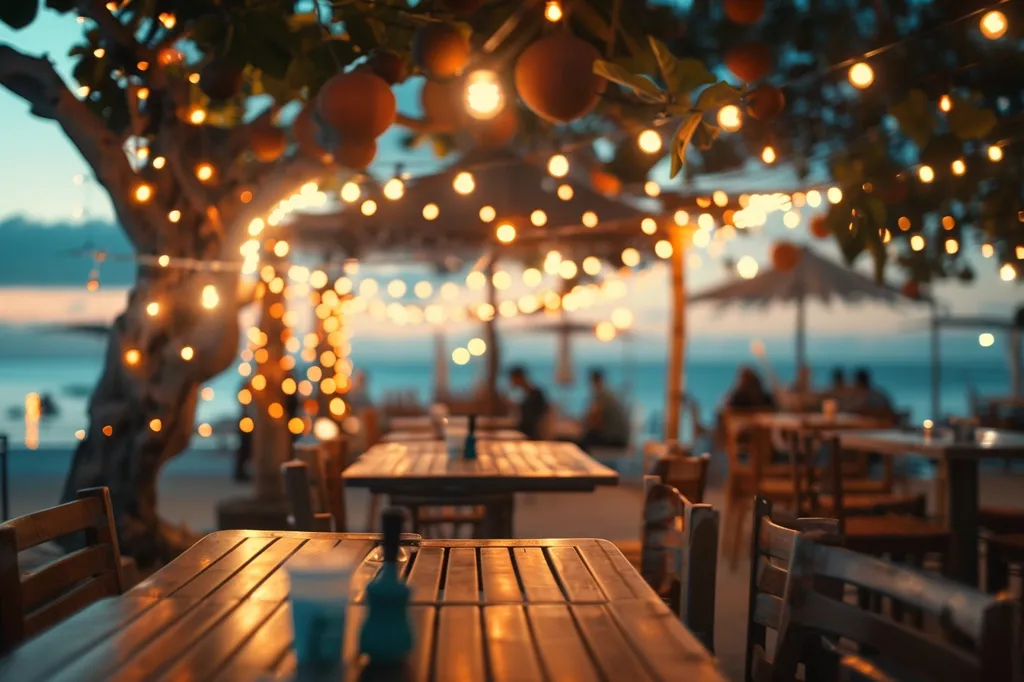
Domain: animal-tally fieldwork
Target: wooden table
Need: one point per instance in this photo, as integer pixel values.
(416, 435)
(426, 423)
(500, 469)
(482, 611)
(796, 421)
(961, 460)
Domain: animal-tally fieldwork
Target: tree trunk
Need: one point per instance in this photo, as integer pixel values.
(141, 413)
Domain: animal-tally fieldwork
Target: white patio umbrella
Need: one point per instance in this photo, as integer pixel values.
(812, 278)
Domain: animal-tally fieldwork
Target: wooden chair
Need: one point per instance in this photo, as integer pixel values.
(434, 517)
(679, 557)
(974, 638)
(35, 601)
(770, 552)
(1003, 538)
(893, 526)
(313, 487)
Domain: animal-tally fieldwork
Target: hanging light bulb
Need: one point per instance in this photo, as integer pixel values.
(143, 193)
(553, 11)
(945, 103)
(463, 183)
(564, 192)
(484, 96)
(649, 141)
(959, 167)
(768, 155)
(995, 153)
(861, 75)
(394, 189)
(204, 172)
(558, 166)
(926, 174)
(505, 233)
(431, 211)
(369, 207)
(993, 25)
(487, 213)
(729, 118)
(197, 115)
(210, 298)
(350, 192)
(651, 188)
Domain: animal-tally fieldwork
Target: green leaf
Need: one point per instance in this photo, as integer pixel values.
(640, 85)
(717, 96)
(681, 140)
(916, 117)
(705, 134)
(969, 122)
(681, 75)
(18, 13)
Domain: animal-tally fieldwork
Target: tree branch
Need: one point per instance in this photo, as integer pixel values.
(34, 80)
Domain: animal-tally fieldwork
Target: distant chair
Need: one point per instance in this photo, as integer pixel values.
(314, 489)
(971, 636)
(34, 601)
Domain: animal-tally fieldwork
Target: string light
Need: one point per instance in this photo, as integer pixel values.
(995, 153)
(394, 189)
(746, 267)
(1007, 273)
(565, 192)
(505, 233)
(630, 257)
(768, 155)
(592, 265)
(605, 331)
(650, 225)
(651, 188)
(834, 195)
(487, 214)
(589, 219)
(143, 193)
(369, 207)
(484, 95)
(431, 211)
(952, 246)
(553, 11)
(197, 115)
(861, 75)
(945, 103)
(959, 167)
(204, 172)
(730, 118)
(539, 218)
(463, 183)
(159, 162)
(187, 353)
(350, 192)
(558, 166)
(132, 357)
(663, 248)
(993, 25)
(926, 174)
(152, 308)
(649, 141)
(917, 242)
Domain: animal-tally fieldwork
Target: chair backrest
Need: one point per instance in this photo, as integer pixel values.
(679, 556)
(771, 549)
(975, 639)
(299, 493)
(689, 475)
(837, 477)
(37, 600)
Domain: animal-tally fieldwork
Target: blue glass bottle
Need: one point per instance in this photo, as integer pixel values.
(386, 636)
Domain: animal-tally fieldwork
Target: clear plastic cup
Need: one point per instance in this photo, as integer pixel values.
(318, 593)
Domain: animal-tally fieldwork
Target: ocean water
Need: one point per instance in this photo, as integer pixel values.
(642, 382)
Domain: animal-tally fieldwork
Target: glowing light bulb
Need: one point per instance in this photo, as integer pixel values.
(917, 243)
(558, 166)
(861, 75)
(394, 189)
(487, 214)
(484, 95)
(834, 194)
(589, 219)
(350, 192)
(993, 25)
(630, 257)
(553, 11)
(210, 298)
(187, 353)
(197, 115)
(649, 141)
(663, 248)
(591, 265)
(539, 218)
(605, 331)
(650, 225)
(152, 308)
(431, 211)
(746, 267)
(204, 172)
(143, 193)
(159, 162)
(959, 167)
(565, 192)
(651, 188)
(505, 233)
(926, 174)
(952, 246)
(1007, 273)
(945, 103)
(768, 155)
(132, 356)
(463, 183)
(995, 153)
(730, 118)
(369, 207)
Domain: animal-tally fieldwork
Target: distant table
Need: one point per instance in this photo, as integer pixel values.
(500, 469)
(426, 423)
(408, 436)
(796, 421)
(481, 610)
(962, 461)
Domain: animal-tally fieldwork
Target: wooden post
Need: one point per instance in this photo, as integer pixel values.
(936, 365)
(677, 334)
(491, 336)
(1015, 362)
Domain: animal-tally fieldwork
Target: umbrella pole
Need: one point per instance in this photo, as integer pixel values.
(677, 335)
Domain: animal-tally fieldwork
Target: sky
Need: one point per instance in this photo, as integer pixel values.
(45, 215)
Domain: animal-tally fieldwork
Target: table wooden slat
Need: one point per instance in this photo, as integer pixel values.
(461, 581)
(499, 575)
(538, 581)
(512, 655)
(483, 611)
(459, 652)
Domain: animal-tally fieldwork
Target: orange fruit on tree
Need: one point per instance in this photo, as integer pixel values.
(765, 102)
(555, 77)
(785, 256)
(389, 66)
(442, 104)
(498, 131)
(750, 61)
(268, 143)
(441, 50)
(744, 12)
(304, 128)
(356, 154)
(819, 227)
(359, 105)
(605, 183)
